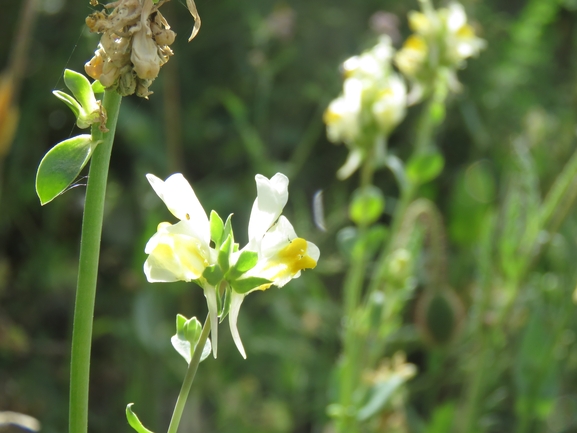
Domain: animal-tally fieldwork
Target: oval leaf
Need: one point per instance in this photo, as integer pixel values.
(425, 167)
(216, 228)
(61, 165)
(367, 205)
(81, 89)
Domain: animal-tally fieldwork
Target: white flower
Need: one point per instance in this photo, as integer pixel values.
(373, 64)
(281, 254)
(412, 55)
(390, 105)
(181, 252)
(342, 114)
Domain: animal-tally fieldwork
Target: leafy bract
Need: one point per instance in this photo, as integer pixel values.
(61, 165)
(134, 421)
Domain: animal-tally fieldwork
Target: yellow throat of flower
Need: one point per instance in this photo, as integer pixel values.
(294, 256)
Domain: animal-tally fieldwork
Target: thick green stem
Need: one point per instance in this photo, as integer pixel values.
(88, 268)
(190, 373)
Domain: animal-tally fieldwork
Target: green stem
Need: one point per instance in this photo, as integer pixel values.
(352, 295)
(190, 373)
(479, 333)
(88, 267)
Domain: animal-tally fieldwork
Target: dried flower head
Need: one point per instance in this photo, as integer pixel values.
(134, 44)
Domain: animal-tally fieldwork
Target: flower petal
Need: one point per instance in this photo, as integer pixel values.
(175, 254)
(182, 202)
(235, 303)
(277, 237)
(272, 196)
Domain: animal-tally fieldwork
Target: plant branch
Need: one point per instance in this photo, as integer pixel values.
(188, 379)
(88, 267)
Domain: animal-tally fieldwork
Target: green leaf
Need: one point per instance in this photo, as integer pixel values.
(380, 396)
(425, 167)
(216, 228)
(186, 338)
(395, 164)
(367, 205)
(246, 261)
(442, 419)
(134, 421)
(61, 165)
(224, 253)
(192, 330)
(97, 87)
(81, 89)
(69, 101)
(247, 284)
(213, 274)
(228, 228)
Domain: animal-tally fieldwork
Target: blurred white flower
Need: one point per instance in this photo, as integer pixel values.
(373, 102)
(342, 114)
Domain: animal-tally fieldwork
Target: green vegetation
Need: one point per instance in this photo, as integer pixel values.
(444, 296)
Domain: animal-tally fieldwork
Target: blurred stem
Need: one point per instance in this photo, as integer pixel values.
(88, 267)
(347, 422)
(423, 140)
(425, 127)
(479, 333)
(560, 197)
(555, 208)
(189, 378)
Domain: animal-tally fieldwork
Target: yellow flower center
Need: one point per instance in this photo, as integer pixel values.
(466, 32)
(330, 117)
(415, 43)
(294, 256)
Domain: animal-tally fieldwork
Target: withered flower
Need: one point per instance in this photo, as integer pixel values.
(134, 44)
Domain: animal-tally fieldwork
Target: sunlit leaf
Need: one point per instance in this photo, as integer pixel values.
(81, 89)
(97, 87)
(134, 421)
(247, 284)
(61, 165)
(69, 101)
(216, 228)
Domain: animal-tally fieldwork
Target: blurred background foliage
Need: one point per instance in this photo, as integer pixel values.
(246, 97)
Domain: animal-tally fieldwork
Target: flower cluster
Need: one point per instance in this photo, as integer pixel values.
(203, 250)
(375, 97)
(134, 45)
(373, 102)
(442, 39)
